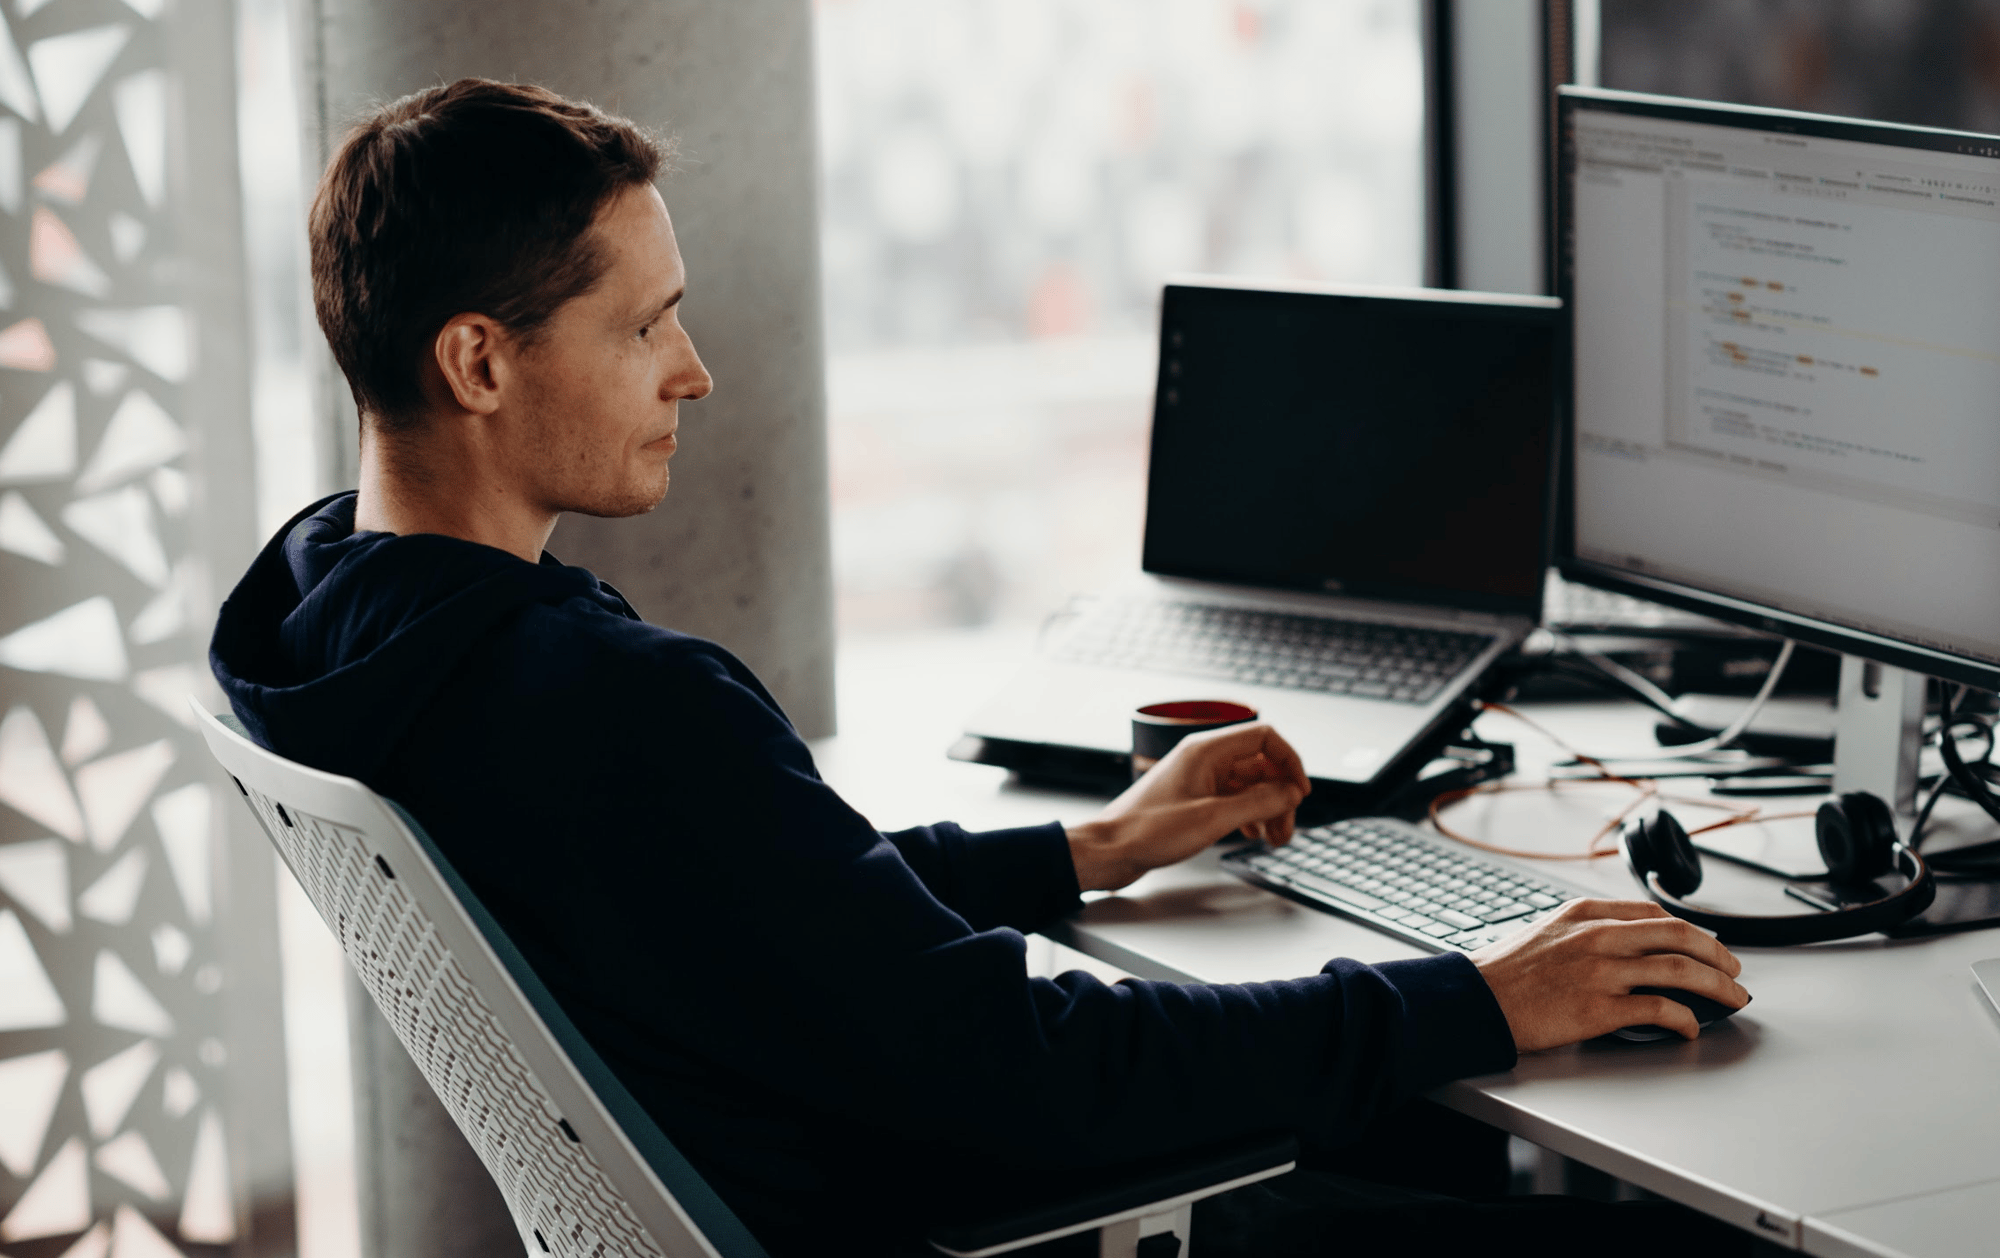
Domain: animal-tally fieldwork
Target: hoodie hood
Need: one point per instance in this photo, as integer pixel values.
(341, 638)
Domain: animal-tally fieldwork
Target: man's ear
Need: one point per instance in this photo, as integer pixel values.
(472, 353)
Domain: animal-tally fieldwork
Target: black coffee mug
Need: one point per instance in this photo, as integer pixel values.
(1157, 727)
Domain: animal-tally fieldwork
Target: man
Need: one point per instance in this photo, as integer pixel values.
(834, 1024)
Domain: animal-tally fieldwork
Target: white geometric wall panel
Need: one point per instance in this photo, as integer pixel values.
(113, 1099)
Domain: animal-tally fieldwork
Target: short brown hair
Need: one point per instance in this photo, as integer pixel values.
(475, 196)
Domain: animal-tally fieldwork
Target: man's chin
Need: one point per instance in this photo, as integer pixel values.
(617, 507)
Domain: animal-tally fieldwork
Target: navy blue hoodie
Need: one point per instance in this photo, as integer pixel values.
(834, 1024)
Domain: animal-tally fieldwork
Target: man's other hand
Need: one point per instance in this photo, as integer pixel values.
(1570, 976)
(1243, 777)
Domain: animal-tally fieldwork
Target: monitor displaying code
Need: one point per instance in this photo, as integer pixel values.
(1787, 367)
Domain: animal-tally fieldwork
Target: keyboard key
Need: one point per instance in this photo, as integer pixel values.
(1464, 921)
(1541, 900)
(1335, 891)
(1439, 929)
(1505, 911)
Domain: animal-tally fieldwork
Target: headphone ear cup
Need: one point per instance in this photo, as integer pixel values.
(1857, 837)
(1669, 853)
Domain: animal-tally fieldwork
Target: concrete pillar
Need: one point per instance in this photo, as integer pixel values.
(739, 552)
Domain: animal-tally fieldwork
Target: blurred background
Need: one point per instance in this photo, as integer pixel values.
(1006, 184)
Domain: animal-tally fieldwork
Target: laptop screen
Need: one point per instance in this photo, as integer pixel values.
(1378, 446)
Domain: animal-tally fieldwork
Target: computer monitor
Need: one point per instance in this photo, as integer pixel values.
(1785, 406)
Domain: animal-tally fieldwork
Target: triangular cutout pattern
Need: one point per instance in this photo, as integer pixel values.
(17, 91)
(207, 1216)
(30, 1086)
(78, 641)
(67, 178)
(171, 949)
(96, 1243)
(31, 782)
(140, 436)
(112, 1085)
(141, 105)
(119, 1000)
(31, 999)
(104, 377)
(44, 446)
(57, 1203)
(120, 524)
(11, 167)
(128, 237)
(35, 876)
(169, 687)
(115, 895)
(25, 346)
(158, 338)
(180, 1093)
(69, 67)
(55, 256)
(114, 789)
(85, 731)
(24, 533)
(183, 818)
(129, 1159)
(166, 615)
(133, 1237)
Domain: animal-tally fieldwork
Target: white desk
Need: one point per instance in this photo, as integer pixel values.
(1854, 1108)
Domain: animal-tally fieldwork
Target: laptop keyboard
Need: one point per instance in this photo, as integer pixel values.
(1348, 657)
(1403, 881)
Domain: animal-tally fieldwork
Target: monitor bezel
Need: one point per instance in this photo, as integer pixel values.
(1535, 309)
(1898, 652)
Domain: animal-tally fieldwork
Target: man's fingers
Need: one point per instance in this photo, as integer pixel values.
(1685, 973)
(1242, 741)
(1656, 1011)
(1655, 932)
(1671, 935)
(1613, 910)
(1266, 802)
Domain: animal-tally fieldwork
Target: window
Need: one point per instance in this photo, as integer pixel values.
(1006, 184)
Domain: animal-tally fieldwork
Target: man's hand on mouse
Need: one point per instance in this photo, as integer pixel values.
(1243, 777)
(1570, 976)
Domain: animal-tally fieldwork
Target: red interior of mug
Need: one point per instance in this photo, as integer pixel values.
(1198, 712)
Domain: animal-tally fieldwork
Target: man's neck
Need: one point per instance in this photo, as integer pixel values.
(428, 483)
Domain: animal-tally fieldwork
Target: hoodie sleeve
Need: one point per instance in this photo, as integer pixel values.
(1021, 878)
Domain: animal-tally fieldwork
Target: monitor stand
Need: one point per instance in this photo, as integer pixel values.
(1878, 733)
(1878, 737)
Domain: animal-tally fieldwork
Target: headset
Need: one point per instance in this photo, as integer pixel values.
(1857, 839)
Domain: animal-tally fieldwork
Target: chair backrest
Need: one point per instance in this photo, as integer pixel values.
(585, 1171)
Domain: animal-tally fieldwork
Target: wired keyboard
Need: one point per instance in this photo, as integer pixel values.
(1351, 657)
(1403, 881)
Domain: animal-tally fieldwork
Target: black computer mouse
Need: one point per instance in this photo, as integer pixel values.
(1706, 1012)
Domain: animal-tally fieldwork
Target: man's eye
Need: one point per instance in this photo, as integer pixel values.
(645, 331)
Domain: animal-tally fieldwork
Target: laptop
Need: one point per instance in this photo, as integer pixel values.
(1347, 521)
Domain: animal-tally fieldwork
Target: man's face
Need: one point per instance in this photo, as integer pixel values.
(600, 388)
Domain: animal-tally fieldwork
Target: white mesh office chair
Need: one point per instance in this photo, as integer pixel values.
(586, 1173)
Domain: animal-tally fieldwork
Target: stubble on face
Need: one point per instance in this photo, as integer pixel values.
(598, 438)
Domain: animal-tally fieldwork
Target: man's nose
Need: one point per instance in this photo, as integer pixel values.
(692, 380)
